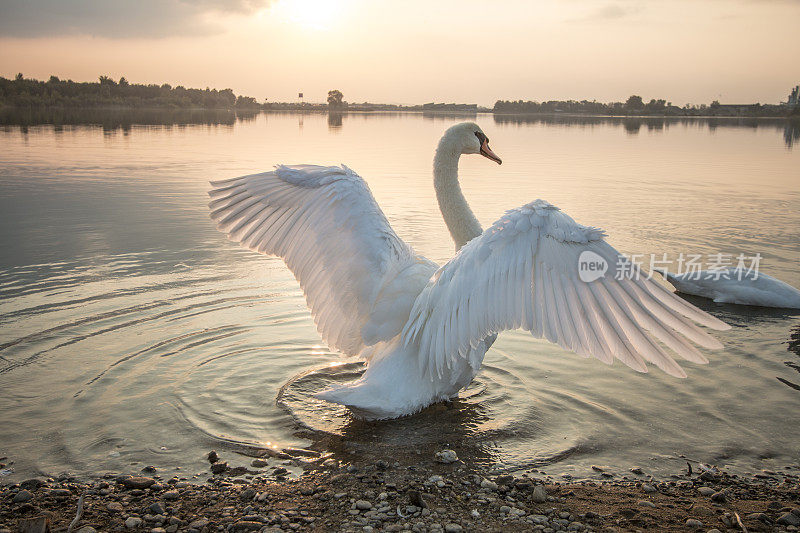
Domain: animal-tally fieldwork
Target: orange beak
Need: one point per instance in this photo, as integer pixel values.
(488, 154)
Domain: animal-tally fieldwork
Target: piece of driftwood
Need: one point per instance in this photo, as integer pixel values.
(78, 515)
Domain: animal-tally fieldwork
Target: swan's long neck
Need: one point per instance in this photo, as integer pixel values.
(455, 210)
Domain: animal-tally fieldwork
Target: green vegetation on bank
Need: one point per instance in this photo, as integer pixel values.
(24, 92)
(636, 106)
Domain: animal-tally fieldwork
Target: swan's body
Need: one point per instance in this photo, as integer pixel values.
(734, 286)
(422, 329)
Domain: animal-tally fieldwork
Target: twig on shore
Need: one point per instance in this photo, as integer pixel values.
(739, 521)
(78, 515)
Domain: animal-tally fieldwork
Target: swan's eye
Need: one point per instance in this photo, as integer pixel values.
(481, 137)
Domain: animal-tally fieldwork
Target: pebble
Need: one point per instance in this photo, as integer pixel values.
(115, 507)
(32, 484)
(212, 457)
(22, 497)
(647, 503)
(692, 522)
(60, 494)
(539, 494)
(453, 528)
(219, 468)
(259, 463)
(132, 522)
(718, 497)
(488, 484)
(789, 519)
(363, 505)
(200, 523)
(138, 482)
(646, 487)
(706, 491)
(446, 456)
(171, 495)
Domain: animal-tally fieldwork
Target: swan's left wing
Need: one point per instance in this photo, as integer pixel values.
(523, 272)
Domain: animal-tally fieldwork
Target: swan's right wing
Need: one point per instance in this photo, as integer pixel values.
(327, 227)
(523, 272)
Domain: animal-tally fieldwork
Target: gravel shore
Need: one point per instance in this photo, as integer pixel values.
(438, 494)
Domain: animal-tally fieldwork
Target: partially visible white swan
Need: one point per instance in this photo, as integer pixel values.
(424, 330)
(734, 286)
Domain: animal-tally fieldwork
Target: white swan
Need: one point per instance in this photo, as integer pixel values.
(732, 286)
(424, 330)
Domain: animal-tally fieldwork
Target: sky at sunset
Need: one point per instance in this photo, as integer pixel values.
(414, 51)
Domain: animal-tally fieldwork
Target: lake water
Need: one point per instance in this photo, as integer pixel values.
(132, 333)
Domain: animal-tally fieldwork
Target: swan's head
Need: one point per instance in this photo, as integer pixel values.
(468, 138)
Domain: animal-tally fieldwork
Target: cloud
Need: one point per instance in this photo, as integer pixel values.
(118, 18)
(611, 12)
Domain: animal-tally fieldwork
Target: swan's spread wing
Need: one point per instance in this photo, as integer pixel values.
(523, 272)
(326, 225)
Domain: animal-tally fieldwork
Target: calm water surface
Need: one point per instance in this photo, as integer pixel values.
(133, 333)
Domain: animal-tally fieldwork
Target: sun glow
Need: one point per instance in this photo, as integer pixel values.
(311, 14)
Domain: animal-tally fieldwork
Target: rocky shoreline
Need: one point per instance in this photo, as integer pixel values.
(437, 494)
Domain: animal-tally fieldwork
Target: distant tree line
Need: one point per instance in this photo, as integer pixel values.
(636, 106)
(23, 91)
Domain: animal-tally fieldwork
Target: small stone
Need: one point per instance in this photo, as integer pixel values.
(247, 525)
(381, 465)
(150, 469)
(132, 522)
(200, 523)
(417, 499)
(60, 494)
(87, 529)
(259, 463)
(248, 494)
(475, 513)
(446, 456)
(363, 505)
(115, 507)
(453, 528)
(505, 479)
(708, 476)
(32, 484)
(789, 519)
(692, 522)
(637, 470)
(539, 494)
(212, 457)
(171, 495)
(157, 508)
(487, 484)
(218, 468)
(718, 497)
(706, 491)
(715, 530)
(646, 487)
(39, 524)
(22, 497)
(647, 503)
(505, 509)
(138, 482)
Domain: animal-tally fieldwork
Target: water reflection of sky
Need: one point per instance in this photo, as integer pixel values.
(128, 323)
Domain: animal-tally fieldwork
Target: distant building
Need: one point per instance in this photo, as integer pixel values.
(794, 97)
